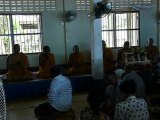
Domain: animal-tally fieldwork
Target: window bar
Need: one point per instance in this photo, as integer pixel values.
(114, 29)
(7, 36)
(119, 23)
(36, 31)
(21, 19)
(23, 26)
(132, 27)
(107, 33)
(40, 37)
(30, 20)
(32, 36)
(11, 30)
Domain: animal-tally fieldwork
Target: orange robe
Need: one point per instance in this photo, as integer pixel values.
(17, 67)
(76, 63)
(152, 53)
(121, 57)
(108, 61)
(45, 63)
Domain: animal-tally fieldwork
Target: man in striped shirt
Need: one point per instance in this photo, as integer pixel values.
(60, 93)
(59, 97)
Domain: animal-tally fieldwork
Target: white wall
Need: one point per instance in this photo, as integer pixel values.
(78, 32)
(148, 25)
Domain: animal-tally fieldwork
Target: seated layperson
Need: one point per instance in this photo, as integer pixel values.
(140, 85)
(108, 61)
(46, 61)
(152, 51)
(59, 97)
(76, 62)
(17, 64)
(131, 108)
(121, 57)
(97, 101)
(113, 93)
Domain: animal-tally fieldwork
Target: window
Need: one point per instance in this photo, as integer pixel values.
(24, 30)
(120, 27)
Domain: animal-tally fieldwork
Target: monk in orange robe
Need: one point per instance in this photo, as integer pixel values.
(121, 57)
(17, 65)
(152, 51)
(46, 61)
(108, 60)
(76, 62)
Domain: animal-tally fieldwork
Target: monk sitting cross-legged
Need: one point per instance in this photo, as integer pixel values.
(17, 64)
(76, 62)
(46, 61)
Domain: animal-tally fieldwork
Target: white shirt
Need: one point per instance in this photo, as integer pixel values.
(60, 93)
(132, 109)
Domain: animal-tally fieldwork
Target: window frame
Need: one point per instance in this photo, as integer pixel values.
(12, 34)
(114, 30)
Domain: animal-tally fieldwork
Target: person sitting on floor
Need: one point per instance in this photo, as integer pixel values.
(140, 85)
(97, 101)
(131, 108)
(152, 51)
(108, 61)
(59, 97)
(156, 73)
(17, 65)
(46, 61)
(76, 62)
(113, 93)
(120, 55)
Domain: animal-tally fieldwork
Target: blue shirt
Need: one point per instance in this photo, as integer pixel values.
(60, 93)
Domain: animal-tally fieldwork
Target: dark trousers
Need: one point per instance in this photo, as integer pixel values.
(45, 112)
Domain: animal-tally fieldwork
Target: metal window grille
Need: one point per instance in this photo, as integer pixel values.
(125, 4)
(24, 30)
(27, 5)
(83, 5)
(120, 27)
(116, 4)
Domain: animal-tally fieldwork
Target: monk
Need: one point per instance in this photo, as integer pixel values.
(17, 65)
(46, 61)
(76, 61)
(152, 51)
(108, 60)
(121, 57)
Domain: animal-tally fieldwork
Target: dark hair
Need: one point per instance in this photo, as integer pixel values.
(55, 70)
(46, 47)
(126, 42)
(16, 45)
(96, 98)
(110, 74)
(128, 87)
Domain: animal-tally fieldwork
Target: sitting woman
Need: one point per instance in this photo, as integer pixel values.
(17, 65)
(98, 104)
(46, 61)
(131, 108)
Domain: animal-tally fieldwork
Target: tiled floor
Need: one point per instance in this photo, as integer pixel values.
(23, 109)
